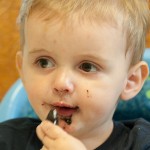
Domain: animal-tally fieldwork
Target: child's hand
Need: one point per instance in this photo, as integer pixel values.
(54, 138)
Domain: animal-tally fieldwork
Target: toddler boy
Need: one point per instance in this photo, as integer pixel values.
(79, 57)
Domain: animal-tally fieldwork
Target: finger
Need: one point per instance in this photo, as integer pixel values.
(47, 142)
(40, 132)
(43, 148)
(51, 130)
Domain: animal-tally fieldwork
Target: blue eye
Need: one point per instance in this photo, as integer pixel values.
(88, 67)
(45, 63)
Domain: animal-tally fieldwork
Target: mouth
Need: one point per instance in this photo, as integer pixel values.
(65, 112)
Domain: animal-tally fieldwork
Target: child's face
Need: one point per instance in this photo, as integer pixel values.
(84, 67)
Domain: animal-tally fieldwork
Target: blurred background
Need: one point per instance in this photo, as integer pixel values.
(9, 43)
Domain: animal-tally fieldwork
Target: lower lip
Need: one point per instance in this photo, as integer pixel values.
(66, 112)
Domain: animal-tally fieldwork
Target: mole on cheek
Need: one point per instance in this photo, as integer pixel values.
(55, 41)
(43, 104)
(88, 93)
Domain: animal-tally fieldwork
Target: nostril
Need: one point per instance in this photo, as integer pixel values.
(61, 92)
(66, 90)
(56, 90)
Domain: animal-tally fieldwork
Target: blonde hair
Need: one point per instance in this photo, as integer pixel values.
(132, 15)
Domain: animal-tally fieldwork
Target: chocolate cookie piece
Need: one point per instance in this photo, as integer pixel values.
(66, 119)
(52, 116)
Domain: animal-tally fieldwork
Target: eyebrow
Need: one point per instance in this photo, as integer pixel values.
(90, 56)
(84, 56)
(38, 51)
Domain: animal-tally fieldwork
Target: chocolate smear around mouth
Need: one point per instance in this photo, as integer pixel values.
(54, 117)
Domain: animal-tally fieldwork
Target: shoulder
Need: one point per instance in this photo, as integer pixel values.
(22, 130)
(138, 126)
(138, 135)
(19, 124)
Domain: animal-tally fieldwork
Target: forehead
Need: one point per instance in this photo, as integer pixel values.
(85, 28)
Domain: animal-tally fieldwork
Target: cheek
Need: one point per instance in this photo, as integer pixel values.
(36, 95)
(33, 89)
(34, 85)
(99, 103)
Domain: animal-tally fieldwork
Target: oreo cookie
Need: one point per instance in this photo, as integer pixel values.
(52, 116)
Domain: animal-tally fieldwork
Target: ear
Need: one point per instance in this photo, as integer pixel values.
(19, 59)
(135, 80)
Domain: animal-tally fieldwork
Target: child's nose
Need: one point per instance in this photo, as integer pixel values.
(63, 84)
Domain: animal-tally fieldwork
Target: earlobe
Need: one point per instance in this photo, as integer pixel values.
(19, 62)
(135, 80)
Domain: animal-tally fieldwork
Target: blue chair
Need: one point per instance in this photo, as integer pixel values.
(15, 104)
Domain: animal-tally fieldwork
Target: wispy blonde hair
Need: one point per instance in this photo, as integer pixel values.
(132, 15)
